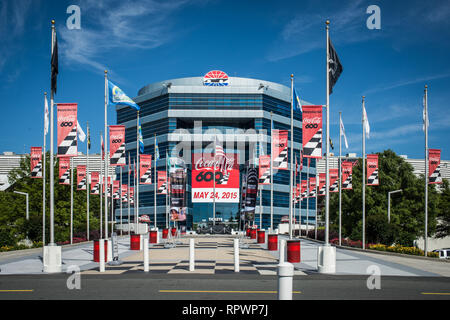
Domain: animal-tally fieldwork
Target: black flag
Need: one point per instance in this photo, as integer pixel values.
(335, 67)
(54, 64)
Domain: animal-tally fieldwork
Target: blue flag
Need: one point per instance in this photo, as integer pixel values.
(156, 149)
(141, 139)
(117, 96)
(297, 102)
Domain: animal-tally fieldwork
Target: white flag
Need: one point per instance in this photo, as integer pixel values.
(425, 115)
(80, 132)
(45, 116)
(366, 123)
(343, 132)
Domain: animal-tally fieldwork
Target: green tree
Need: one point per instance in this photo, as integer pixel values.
(443, 228)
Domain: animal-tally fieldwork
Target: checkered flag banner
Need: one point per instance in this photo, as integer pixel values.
(37, 170)
(146, 178)
(117, 143)
(334, 187)
(372, 180)
(264, 169)
(64, 170)
(434, 163)
(347, 184)
(322, 184)
(304, 188)
(145, 169)
(312, 131)
(163, 188)
(347, 169)
(312, 194)
(67, 129)
(81, 177)
(224, 179)
(162, 182)
(82, 184)
(124, 197)
(334, 180)
(95, 189)
(280, 149)
(372, 169)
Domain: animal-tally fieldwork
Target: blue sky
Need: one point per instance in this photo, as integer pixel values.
(141, 42)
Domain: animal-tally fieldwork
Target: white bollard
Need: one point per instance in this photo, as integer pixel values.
(101, 244)
(145, 248)
(282, 249)
(236, 255)
(285, 276)
(109, 249)
(191, 254)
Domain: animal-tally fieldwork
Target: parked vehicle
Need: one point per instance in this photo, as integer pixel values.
(443, 253)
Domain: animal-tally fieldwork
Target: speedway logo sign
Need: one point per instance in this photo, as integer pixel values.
(221, 173)
(215, 78)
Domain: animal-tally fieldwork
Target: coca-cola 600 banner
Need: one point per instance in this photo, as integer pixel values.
(226, 178)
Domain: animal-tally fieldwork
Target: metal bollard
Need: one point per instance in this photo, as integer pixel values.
(101, 243)
(285, 276)
(236, 255)
(145, 245)
(282, 251)
(191, 255)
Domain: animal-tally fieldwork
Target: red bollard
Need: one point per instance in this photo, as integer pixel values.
(253, 234)
(135, 242)
(261, 236)
(272, 242)
(247, 232)
(97, 250)
(174, 232)
(293, 251)
(153, 236)
(165, 233)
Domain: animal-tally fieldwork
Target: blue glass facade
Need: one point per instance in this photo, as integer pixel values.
(243, 106)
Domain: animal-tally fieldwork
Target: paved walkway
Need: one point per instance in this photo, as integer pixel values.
(215, 255)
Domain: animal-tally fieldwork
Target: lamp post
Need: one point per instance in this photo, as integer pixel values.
(389, 203)
(26, 195)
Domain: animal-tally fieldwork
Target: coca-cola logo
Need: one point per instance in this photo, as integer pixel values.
(315, 120)
(223, 164)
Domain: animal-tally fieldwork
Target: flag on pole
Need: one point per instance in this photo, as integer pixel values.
(156, 149)
(343, 132)
(219, 149)
(425, 115)
(36, 162)
(335, 66)
(141, 139)
(88, 138)
(366, 123)
(45, 115)
(54, 64)
(103, 147)
(297, 102)
(80, 132)
(117, 96)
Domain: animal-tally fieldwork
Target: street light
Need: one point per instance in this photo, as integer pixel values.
(389, 203)
(26, 195)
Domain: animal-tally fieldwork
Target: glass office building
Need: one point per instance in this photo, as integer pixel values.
(239, 111)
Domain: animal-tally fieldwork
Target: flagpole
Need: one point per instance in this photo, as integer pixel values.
(87, 182)
(307, 200)
(292, 157)
(137, 176)
(120, 199)
(327, 164)
(106, 156)
(154, 182)
(317, 198)
(167, 191)
(43, 173)
(71, 200)
(426, 172)
(340, 179)
(214, 185)
(363, 177)
(52, 190)
(101, 189)
(271, 172)
(128, 193)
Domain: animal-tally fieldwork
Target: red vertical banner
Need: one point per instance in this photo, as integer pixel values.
(95, 182)
(81, 177)
(36, 162)
(108, 192)
(312, 131)
(304, 188)
(124, 193)
(64, 170)
(312, 187)
(162, 182)
(434, 166)
(116, 191)
(145, 169)
(280, 149)
(334, 180)
(347, 169)
(296, 195)
(322, 184)
(264, 169)
(67, 130)
(131, 195)
(372, 169)
(117, 145)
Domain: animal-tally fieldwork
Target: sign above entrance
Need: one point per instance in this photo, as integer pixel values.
(215, 78)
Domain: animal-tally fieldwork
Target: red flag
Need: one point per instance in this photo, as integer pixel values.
(145, 169)
(36, 162)
(64, 170)
(347, 168)
(162, 182)
(372, 169)
(81, 177)
(95, 182)
(434, 164)
(117, 145)
(264, 169)
(280, 149)
(312, 131)
(322, 184)
(67, 130)
(312, 187)
(334, 180)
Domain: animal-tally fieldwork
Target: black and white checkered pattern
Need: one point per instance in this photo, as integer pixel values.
(69, 145)
(82, 184)
(224, 179)
(125, 197)
(65, 178)
(436, 177)
(96, 189)
(323, 190)
(335, 186)
(281, 162)
(118, 158)
(373, 178)
(313, 148)
(147, 177)
(116, 195)
(304, 193)
(163, 188)
(265, 178)
(347, 184)
(312, 194)
(37, 170)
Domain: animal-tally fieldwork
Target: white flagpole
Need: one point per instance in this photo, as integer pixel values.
(120, 200)
(87, 182)
(167, 191)
(137, 176)
(327, 164)
(101, 191)
(52, 189)
(317, 199)
(292, 157)
(154, 182)
(340, 179)
(106, 155)
(128, 194)
(363, 177)
(214, 184)
(271, 171)
(43, 177)
(307, 200)
(426, 172)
